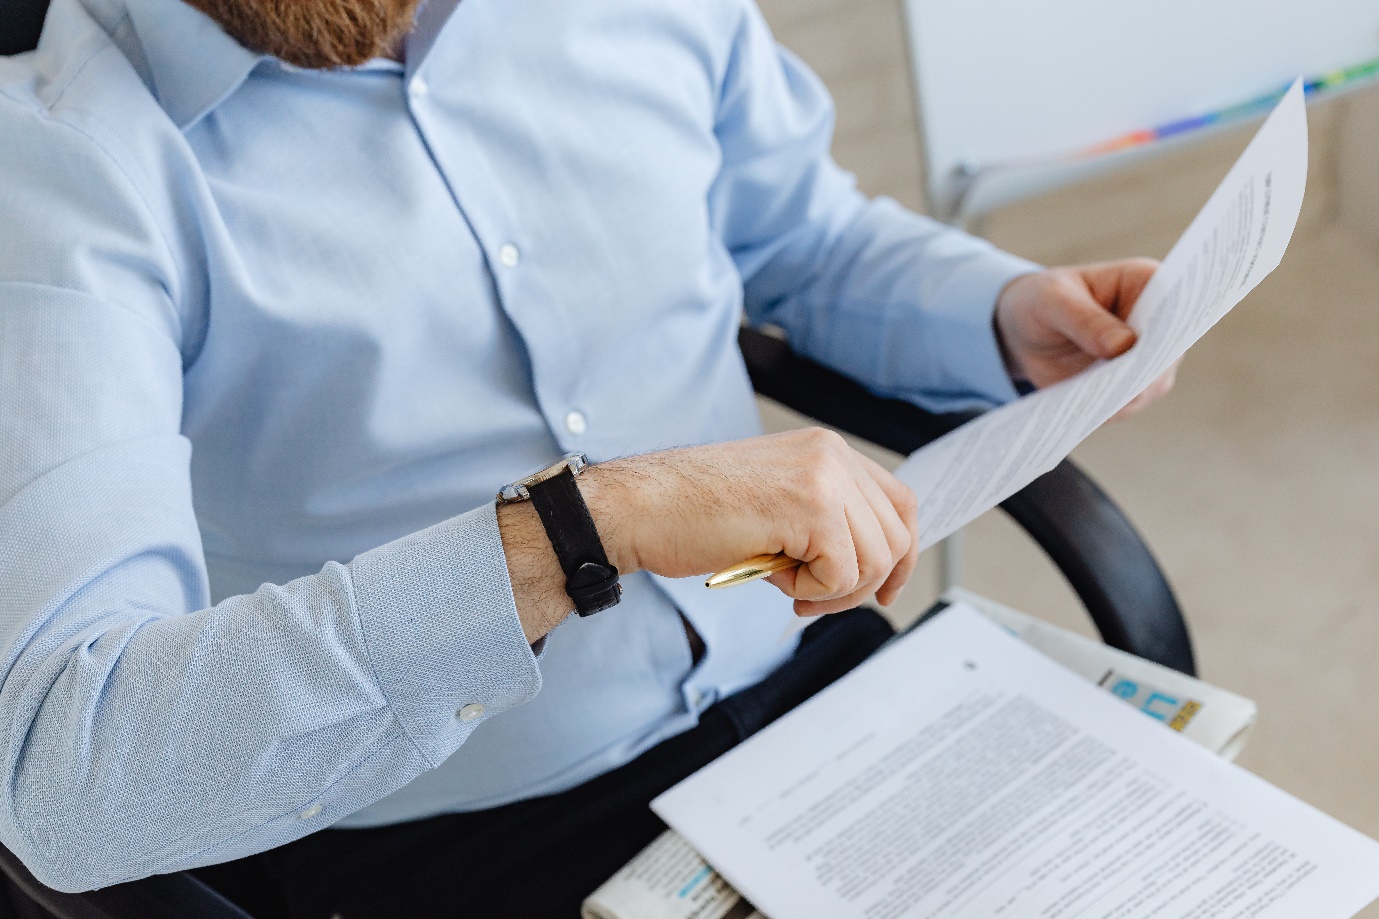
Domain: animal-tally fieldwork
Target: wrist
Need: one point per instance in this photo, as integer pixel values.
(612, 504)
(1013, 368)
(538, 584)
(543, 588)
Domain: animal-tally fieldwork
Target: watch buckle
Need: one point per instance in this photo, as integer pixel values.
(517, 491)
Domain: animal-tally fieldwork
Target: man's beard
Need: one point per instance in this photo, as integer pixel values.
(315, 33)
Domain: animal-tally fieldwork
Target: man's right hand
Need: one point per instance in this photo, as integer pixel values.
(695, 510)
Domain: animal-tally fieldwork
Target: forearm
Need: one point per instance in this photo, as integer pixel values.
(693, 510)
(899, 302)
(538, 584)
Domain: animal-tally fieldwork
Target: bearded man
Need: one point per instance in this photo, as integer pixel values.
(289, 288)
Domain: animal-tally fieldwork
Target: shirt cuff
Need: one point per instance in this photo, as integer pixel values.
(440, 623)
(966, 310)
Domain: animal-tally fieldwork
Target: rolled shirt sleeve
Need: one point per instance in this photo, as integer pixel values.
(899, 302)
(146, 730)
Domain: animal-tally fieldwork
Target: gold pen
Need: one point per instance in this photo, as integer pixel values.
(757, 567)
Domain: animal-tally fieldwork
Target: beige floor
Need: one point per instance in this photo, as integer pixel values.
(1257, 484)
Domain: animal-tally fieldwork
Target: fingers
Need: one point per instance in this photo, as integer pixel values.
(853, 557)
(902, 499)
(873, 551)
(828, 607)
(881, 491)
(1087, 323)
(831, 564)
(818, 530)
(1096, 301)
(900, 575)
(1053, 324)
(1117, 285)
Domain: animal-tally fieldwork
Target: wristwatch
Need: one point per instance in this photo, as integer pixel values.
(590, 580)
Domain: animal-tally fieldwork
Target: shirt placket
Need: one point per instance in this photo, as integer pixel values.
(553, 341)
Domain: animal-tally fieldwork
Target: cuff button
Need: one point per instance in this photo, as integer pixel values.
(470, 712)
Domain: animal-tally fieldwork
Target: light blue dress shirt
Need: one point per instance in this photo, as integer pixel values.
(271, 339)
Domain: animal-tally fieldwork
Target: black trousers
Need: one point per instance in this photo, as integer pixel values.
(536, 858)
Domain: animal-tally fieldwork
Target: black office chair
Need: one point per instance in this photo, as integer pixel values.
(1084, 534)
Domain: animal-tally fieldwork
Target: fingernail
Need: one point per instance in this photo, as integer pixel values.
(1114, 341)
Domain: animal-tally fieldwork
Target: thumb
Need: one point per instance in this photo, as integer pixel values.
(1090, 326)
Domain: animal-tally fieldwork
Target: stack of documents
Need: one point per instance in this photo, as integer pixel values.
(1212, 717)
(670, 880)
(961, 773)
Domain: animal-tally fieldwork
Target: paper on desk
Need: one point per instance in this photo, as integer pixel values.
(1208, 715)
(1235, 241)
(959, 774)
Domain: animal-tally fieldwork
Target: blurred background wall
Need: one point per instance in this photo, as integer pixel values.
(1257, 481)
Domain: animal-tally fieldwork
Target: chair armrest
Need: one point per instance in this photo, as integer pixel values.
(164, 896)
(1085, 535)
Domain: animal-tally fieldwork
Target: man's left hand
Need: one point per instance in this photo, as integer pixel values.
(1054, 324)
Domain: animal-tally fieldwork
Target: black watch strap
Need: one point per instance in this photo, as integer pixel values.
(590, 580)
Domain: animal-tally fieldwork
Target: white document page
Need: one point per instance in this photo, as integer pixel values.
(1235, 241)
(960, 774)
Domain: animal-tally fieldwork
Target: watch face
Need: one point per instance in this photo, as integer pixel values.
(575, 463)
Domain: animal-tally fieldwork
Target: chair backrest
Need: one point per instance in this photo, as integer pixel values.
(20, 23)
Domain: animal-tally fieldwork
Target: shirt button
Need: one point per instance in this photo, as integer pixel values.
(310, 812)
(419, 87)
(696, 697)
(576, 423)
(470, 712)
(509, 255)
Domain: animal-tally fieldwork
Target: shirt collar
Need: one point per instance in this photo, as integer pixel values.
(431, 20)
(194, 65)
